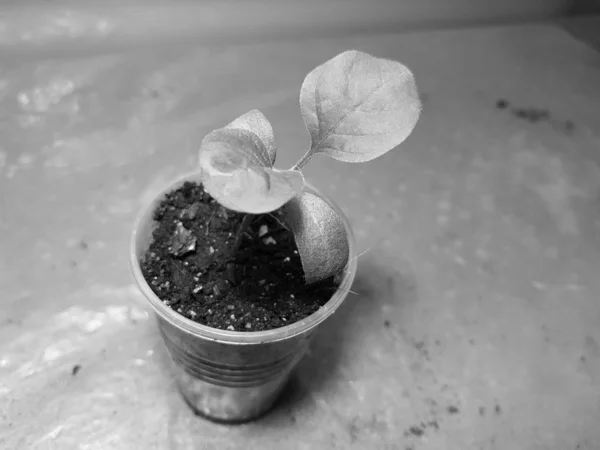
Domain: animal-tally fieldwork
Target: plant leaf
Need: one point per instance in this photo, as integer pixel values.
(320, 236)
(251, 134)
(237, 167)
(255, 122)
(357, 107)
(235, 176)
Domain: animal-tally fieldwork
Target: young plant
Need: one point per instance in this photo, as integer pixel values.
(356, 107)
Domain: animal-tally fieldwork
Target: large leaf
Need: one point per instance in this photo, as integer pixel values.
(320, 236)
(357, 107)
(237, 167)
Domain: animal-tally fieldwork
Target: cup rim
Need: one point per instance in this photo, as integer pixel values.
(239, 337)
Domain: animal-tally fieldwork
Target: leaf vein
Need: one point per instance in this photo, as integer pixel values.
(352, 110)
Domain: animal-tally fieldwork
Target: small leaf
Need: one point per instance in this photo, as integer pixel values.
(237, 165)
(237, 182)
(247, 145)
(320, 236)
(255, 122)
(357, 107)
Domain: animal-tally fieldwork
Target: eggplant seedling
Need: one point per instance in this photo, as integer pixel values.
(356, 107)
(237, 317)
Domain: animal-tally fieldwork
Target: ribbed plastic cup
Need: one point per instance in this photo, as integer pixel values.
(231, 376)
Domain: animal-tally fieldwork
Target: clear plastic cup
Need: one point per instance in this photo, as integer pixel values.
(231, 376)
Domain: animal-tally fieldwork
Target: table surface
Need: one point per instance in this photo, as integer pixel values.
(476, 323)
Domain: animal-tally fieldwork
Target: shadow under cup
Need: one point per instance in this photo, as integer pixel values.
(231, 376)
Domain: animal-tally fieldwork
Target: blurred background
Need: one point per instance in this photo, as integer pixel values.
(136, 21)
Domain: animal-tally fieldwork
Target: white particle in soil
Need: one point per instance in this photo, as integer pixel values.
(269, 241)
(230, 235)
(232, 317)
(193, 313)
(248, 325)
(263, 230)
(179, 310)
(185, 263)
(230, 328)
(230, 307)
(287, 259)
(209, 311)
(295, 252)
(196, 279)
(292, 296)
(284, 319)
(211, 250)
(197, 289)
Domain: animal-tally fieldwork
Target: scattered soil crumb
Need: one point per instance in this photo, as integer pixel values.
(419, 430)
(535, 115)
(452, 409)
(416, 431)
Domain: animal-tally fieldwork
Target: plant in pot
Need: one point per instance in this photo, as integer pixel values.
(241, 261)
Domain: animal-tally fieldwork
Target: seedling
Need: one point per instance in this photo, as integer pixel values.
(356, 107)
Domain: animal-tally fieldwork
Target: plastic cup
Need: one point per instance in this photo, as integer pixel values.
(231, 376)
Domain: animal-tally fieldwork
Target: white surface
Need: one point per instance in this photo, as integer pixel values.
(482, 235)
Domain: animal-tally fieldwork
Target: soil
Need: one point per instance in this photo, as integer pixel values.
(420, 429)
(535, 115)
(202, 268)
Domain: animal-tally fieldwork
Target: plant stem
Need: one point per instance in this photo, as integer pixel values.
(241, 229)
(300, 164)
(210, 220)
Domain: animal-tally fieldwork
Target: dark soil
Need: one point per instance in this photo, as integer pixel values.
(535, 115)
(420, 429)
(452, 409)
(193, 266)
(416, 430)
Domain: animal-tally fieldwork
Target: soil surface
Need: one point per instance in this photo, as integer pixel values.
(193, 266)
